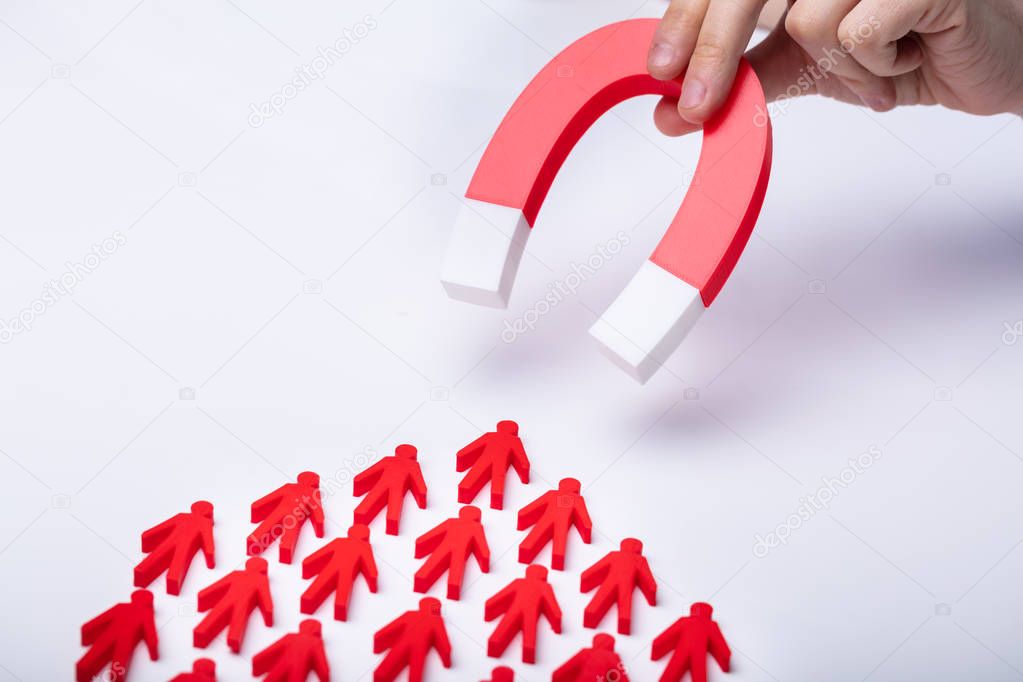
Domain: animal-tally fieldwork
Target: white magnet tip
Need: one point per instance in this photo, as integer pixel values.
(648, 321)
(483, 254)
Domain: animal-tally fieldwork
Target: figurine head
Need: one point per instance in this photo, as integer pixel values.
(701, 610)
(502, 674)
(429, 605)
(536, 572)
(469, 513)
(203, 508)
(569, 485)
(604, 641)
(359, 532)
(405, 451)
(256, 565)
(142, 598)
(310, 626)
(509, 427)
(632, 546)
(308, 478)
(205, 667)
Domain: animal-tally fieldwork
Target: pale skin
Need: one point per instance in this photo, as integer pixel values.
(965, 55)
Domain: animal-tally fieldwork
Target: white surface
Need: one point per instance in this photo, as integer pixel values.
(917, 281)
(646, 322)
(483, 253)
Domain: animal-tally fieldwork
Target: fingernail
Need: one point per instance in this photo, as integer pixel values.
(693, 94)
(661, 54)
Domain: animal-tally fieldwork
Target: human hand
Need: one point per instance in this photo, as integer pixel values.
(962, 54)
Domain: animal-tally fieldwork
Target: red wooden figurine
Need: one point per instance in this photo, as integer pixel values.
(171, 545)
(488, 458)
(450, 545)
(336, 565)
(521, 604)
(385, 483)
(230, 601)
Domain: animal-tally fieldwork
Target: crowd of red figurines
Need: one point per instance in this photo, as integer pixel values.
(170, 546)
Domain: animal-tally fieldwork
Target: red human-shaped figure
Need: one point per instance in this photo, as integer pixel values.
(502, 674)
(550, 516)
(488, 458)
(172, 544)
(618, 574)
(230, 601)
(385, 483)
(521, 604)
(294, 656)
(282, 513)
(449, 545)
(203, 670)
(690, 639)
(599, 662)
(336, 565)
(408, 639)
(113, 635)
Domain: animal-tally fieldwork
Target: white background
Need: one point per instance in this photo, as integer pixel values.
(869, 309)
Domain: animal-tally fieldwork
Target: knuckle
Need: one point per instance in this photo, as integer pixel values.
(682, 17)
(710, 54)
(803, 25)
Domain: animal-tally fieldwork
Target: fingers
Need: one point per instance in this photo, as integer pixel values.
(814, 25)
(675, 38)
(877, 34)
(726, 31)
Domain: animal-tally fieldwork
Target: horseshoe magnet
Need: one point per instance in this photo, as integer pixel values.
(687, 269)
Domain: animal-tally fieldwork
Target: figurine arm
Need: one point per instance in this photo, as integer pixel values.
(550, 608)
(208, 551)
(581, 519)
(266, 604)
(92, 629)
(666, 641)
(431, 539)
(646, 582)
(210, 595)
(520, 461)
(468, 455)
(368, 567)
(569, 672)
(320, 666)
(152, 538)
(365, 480)
(388, 635)
(593, 576)
(316, 514)
(531, 513)
(264, 660)
(500, 602)
(265, 505)
(480, 549)
(418, 486)
(719, 648)
(149, 635)
(317, 561)
(441, 642)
